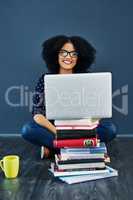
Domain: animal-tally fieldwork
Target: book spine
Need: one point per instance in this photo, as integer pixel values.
(65, 136)
(76, 131)
(90, 151)
(81, 165)
(75, 143)
(77, 161)
(81, 156)
(82, 127)
(76, 122)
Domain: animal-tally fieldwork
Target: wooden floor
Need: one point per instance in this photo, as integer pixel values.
(35, 183)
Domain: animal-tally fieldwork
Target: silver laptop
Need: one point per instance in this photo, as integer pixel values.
(76, 96)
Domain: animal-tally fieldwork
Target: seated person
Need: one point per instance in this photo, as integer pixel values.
(63, 55)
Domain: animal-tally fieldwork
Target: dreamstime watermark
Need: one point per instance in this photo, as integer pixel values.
(29, 99)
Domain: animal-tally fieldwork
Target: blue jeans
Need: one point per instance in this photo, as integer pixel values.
(41, 136)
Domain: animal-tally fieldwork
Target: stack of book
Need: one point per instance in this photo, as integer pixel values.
(76, 133)
(82, 156)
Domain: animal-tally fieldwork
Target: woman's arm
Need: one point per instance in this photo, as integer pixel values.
(43, 121)
(38, 108)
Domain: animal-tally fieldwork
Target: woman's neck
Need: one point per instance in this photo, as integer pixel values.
(65, 71)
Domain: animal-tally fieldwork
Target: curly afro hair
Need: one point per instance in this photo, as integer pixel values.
(51, 47)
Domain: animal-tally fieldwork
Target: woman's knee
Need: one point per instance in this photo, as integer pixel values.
(107, 131)
(112, 130)
(26, 130)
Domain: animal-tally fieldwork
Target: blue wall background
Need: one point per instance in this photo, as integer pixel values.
(24, 25)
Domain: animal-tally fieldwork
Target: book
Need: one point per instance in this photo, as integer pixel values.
(75, 142)
(88, 150)
(56, 172)
(75, 134)
(80, 161)
(75, 127)
(81, 156)
(82, 178)
(86, 156)
(88, 121)
(78, 131)
(79, 164)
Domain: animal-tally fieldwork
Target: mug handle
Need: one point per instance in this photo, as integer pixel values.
(1, 165)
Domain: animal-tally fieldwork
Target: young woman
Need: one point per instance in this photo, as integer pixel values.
(63, 55)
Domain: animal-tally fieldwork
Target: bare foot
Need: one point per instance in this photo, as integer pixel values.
(45, 152)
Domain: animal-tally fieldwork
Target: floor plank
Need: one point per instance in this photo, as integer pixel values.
(34, 182)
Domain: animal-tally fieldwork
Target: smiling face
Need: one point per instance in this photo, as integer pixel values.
(67, 58)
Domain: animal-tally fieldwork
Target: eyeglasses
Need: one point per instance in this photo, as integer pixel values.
(64, 53)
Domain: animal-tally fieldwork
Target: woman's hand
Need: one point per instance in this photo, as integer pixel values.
(54, 130)
(43, 121)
